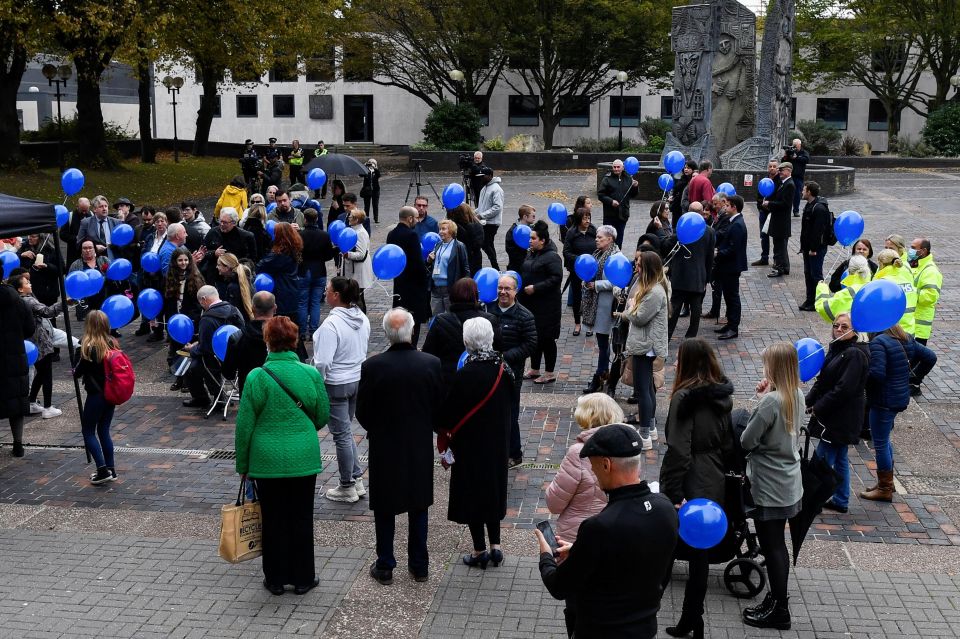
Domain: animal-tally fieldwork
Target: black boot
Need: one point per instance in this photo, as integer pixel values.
(761, 607)
(688, 623)
(595, 384)
(776, 616)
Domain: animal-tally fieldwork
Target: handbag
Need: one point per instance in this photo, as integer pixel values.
(241, 529)
(445, 436)
(290, 394)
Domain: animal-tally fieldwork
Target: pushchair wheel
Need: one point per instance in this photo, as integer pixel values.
(744, 578)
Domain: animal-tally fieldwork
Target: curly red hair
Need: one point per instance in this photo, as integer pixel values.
(287, 241)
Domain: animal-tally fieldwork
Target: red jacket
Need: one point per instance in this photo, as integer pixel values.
(700, 189)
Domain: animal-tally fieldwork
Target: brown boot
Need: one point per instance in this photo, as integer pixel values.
(884, 490)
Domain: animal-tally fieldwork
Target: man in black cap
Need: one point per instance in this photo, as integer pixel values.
(612, 575)
(250, 162)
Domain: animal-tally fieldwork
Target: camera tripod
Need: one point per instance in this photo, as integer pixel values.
(416, 177)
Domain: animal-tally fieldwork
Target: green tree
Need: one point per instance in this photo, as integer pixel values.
(20, 34)
(935, 23)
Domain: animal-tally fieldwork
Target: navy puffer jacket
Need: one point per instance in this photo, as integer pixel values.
(890, 365)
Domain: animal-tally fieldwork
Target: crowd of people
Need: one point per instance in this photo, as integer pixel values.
(299, 369)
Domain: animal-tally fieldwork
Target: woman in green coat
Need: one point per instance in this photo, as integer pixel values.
(277, 446)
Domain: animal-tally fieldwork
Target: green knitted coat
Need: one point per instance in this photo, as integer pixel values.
(273, 437)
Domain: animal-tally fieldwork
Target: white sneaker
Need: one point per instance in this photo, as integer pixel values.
(346, 494)
(646, 443)
(35, 408)
(48, 413)
(359, 487)
(654, 435)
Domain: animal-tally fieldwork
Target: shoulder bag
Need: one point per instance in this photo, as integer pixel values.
(445, 436)
(290, 394)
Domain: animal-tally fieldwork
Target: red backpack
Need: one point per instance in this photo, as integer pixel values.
(119, 378)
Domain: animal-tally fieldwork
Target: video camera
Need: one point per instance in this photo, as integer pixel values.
(465, 161)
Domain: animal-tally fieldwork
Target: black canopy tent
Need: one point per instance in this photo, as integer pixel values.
(19, 216)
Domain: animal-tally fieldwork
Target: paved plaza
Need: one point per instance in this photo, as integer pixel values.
(138, 557)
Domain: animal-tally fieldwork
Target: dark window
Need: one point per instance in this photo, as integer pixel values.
(322, 69)
(357, 62)
(666, 108)
(574, 111)
(482, 103)
(283, 106)
(522, 61)
(216, 105)
(793, 113)
(283, 71)
(631, 111)
(833, 112)
(247, 106)
(522, 110)
(877, 119)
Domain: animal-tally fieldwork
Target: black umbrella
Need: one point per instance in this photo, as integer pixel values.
(819, 482)
(336, 164)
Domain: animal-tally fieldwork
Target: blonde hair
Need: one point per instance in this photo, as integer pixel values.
(898, 241)
(357, 217)
(782, 368)
(96, 341)
(451, 225)
(243, 280)
(597, 409)
(889, 256)
(649, 275)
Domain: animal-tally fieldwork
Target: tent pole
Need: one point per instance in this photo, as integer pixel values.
(66, 327)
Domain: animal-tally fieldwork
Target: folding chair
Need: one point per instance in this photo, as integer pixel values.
(229, 392)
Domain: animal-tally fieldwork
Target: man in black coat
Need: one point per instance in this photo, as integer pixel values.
(205, 369)
(614, 571)
(689, 274)
(813, 248)
(226, 237)
(773, 172)
(778, 226)
(411, 289)
(476, 176)
(246, 349)
(615, 191)
(526, 216)
(396, 403)
(16, 325)
(799, 158)
(730, 262)
(518, 332)
(70, 231)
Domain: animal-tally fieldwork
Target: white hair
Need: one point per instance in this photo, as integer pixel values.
(477, 334)
(627, 464)
(858, 266)
(175, 229)
(607, 230)
(207, 291)
(98, 199)
(230, 212)
(398, 334)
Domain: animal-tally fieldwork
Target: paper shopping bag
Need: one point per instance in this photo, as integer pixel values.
(241, 529)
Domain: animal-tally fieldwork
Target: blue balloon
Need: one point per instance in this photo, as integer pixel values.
(10, 261)
(462, 360)
(271, 227)
(766, 187)
(811, 355)
(316, 178)
(665, 181)
(557, 213)
(844, 275)
(271, 207)
(389, 261)
(347, 239)
(631, 165)
(298, 203)
(150, 262)
(313, 204)
(585, 266)
(180, 328)
(674, 162)
(515, 276)
(119, 310)
(220, 339)
(521, 235)
(453, 195)
(487, 279)
(121, 235)
(727, 189)
(119, 270)
(878, 306)
(63, 214)
(76, 285)
(263, 282)
(848, 228)
(618, 270)
(690, 228)
(703, 524)
(33, 354)
(71, 181)
(150, 303)
(428, 243)
(336, 227)
(94, 282)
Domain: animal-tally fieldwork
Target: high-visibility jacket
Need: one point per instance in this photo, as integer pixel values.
(830, 305)
(902, 277)
(928, 280)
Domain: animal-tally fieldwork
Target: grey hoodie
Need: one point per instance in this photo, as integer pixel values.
(340, 345)
(490, 208)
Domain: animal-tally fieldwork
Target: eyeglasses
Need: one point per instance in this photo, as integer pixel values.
(842, 327)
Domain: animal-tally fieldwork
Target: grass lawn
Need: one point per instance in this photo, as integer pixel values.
(160, 184)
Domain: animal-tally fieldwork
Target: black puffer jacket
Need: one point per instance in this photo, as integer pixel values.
(16, 325)
(577, 243)
(544, 271)
(445, 338)
(518, 329)
(246, 350)
(838, 396)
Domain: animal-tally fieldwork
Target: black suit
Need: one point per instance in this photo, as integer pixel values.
(731, 260)
(411, 289)
(780, 205)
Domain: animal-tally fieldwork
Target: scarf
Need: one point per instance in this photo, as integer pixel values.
(489, 355)
(591, 296)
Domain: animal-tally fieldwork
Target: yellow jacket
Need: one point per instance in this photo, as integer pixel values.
(927, 280)
(829, 305)
(904, 279)
(231, 196)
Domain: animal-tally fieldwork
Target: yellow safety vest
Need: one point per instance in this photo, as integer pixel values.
(928, 281)
(296, 157)
(902, 278)
(830, 305)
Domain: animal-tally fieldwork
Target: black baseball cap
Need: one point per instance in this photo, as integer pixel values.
(614, 440)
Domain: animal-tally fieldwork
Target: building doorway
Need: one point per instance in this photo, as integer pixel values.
(358, 118)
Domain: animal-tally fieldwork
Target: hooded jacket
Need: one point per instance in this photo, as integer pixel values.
(891, 364)
(231, 196)
(837, 397)
(219, 314)
(574, 493)
(246, 350)
(490, 205)
(340, 345)
(543, 270)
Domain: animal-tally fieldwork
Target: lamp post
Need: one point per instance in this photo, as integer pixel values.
(173, 86)
(621, 78)
(58, 75)
(457, 76)
(955, 82)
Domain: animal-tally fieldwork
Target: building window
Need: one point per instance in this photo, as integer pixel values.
(793, 113)
(284, 71)
(574, 111)
(216, 104)
(247, 106)
(833, 112)
(666, 108)
(482, 102)
(283, 106)
(522, 110)
(358, 62)
(631, 111)
(877, 118)
(322, 69)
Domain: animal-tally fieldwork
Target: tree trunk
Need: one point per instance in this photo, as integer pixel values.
(550, 121)
(148, 150)
(205, 112)
(9, 124)
(90, 135)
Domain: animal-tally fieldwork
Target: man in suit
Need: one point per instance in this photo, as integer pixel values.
(780, 204)
(401, 441)
(99, 227)
(730, 262)
(69, 231)
(411, 288)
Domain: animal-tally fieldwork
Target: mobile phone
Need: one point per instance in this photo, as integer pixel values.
(547, 529)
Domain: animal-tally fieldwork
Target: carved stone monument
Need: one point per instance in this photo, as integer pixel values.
(734, 64)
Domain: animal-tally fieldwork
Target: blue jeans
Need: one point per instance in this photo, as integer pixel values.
(95, 425)
(343, 406)
(385, 525)
(881, 425)
(312, 288)
(836, 456)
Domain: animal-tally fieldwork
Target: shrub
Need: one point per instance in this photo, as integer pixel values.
(453, 127)
(941, 134)
(655, 127)
(49, 132)
(654, 145)
(608, 145)
(907, 148)
(423, 146)
(819, 137)
(496, 144)
(851, 145)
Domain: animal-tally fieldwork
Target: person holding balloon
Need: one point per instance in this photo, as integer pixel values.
(860, 247)
(894, 269)
(598, 302)
(470, 232)
(679, 187)
(779, 223)
(448, 262)
(70, 230)
(517, 251)
(43, 339)
(411, 287)
(580, 239)
(828, 306)
(357, 264)
(204, 372)
(180, 290)
(770, 441)
(689, 273)
(89, 261)
(542, 275)
(615, 192)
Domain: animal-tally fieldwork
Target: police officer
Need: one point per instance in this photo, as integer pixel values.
(927, 280)
(250, 162)
(831, 305)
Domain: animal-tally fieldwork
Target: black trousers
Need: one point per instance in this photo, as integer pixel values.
(385, 525)
(203, 378)
(696, 589)
(476, 534)
(770, 536)
(287, 508)
(371, 206)
(781, 259)
(43, 379)
(695, 302)
(547, 350)
(730, 289)
(489, 235)
(576, 296)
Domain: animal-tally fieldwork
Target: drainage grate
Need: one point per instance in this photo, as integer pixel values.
(539, 466)
(163, 451)
(222, 454)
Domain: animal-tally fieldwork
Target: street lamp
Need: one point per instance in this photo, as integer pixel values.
(955, 82)
(58, 75)
(622, 79)
(457, 76)
(173, 86)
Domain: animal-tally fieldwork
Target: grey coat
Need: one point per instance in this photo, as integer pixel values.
(648, 325)
(43, 337)
(603, 323)
(773, 458)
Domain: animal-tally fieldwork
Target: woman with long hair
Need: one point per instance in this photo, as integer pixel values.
(282, 263)
(358, 262)
(97, 414)
(256, 222)
(580, 239)
(234, 284)
(43, 339)
(699, 441)
(180, 297)
(897, 270)
(337, 191)
(598, 303)
(470, 232)
(860, 247)
(773, 467)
